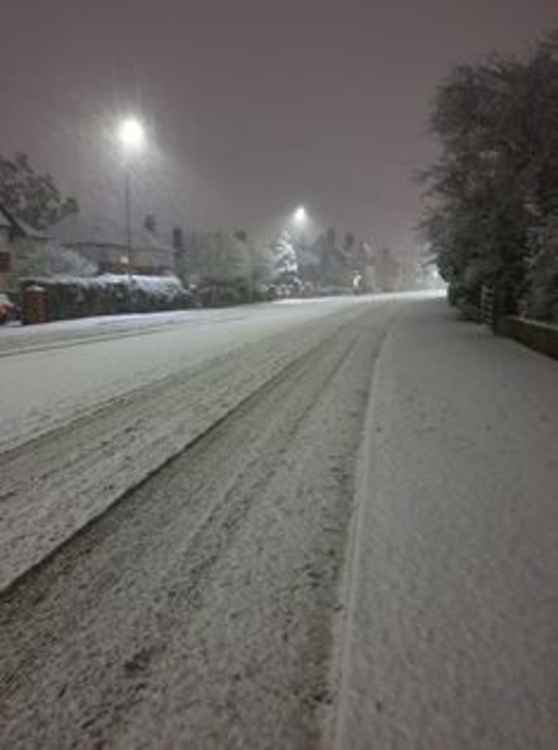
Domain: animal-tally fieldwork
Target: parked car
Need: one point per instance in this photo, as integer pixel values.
(8, 311)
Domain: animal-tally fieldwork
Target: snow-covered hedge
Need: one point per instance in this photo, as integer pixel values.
(109, 294)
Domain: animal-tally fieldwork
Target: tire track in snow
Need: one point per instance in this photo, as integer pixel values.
(63, 481)
(197, 611)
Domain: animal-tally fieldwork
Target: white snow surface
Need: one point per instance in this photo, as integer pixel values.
(451, 638)
(128, 404)
(58, 371)
(195, 612)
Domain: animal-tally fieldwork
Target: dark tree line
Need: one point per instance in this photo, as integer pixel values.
(492, 196)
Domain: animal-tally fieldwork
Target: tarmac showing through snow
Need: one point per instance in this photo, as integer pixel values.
(199, 549)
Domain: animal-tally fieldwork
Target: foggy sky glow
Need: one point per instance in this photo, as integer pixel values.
(251, 107)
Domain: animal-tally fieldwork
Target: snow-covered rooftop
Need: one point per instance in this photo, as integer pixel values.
(81, 229)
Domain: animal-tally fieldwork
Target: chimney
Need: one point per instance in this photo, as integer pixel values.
(150, 223)
(177, 239)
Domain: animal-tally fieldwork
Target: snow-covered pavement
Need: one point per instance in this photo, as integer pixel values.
(451, 638)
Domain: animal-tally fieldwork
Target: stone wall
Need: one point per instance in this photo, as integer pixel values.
(542, 337)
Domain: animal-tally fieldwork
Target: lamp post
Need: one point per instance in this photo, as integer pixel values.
(298, 222)
(132, 138)
(128, 219)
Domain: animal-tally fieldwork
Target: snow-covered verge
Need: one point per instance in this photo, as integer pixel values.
(451, 632)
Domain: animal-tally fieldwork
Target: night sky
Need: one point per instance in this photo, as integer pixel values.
(252, 106)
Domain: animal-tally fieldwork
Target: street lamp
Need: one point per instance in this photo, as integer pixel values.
(300, 216)
(131, 134)
(299, 223)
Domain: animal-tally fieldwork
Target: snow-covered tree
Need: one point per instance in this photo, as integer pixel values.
(285, 262)
(30, 196)
(495, 184)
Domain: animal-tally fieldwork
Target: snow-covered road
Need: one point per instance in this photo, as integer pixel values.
(52, 373)
(196, 610)
(211, 556)
(112, 412)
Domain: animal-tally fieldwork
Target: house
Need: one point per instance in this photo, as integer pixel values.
(103, 241)
(23, 250)
(387, 271)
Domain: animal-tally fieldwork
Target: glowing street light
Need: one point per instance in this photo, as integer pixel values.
(131, 134)
(300, 215)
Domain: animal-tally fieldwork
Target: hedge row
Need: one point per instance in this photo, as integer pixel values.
(73, 297)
